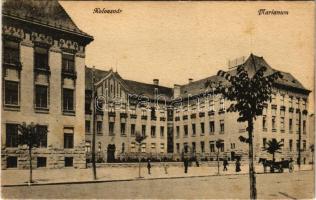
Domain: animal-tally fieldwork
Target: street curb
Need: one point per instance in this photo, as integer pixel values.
(131, 179)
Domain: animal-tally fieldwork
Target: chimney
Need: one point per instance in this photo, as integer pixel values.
(176, 91)
(190, 80)
(156, 81)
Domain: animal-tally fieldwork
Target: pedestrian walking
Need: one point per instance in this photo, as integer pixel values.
(238, 165)
(165, 166)
(186, 165)
(197, 162)
(148, 166)
(225, 164)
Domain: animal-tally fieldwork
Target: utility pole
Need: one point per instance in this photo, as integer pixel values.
(299, 140)
(93, 125)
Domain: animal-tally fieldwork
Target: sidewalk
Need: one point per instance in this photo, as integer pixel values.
(108, 174)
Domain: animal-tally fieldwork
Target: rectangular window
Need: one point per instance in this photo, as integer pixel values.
(11, 52)
(193, 147)
(12, 162)
(68, 138)
(153, 131)
(162, 147)
(212, 146)
(273, 111)
(297, 125)
(222, 147)
(143, 147)
(178, 147)
(264, 142)
(41, 162)
(133, 129)
(211, 104)
(297, 102)
(133, 147)
(282, 123)
(297, 145)
(42, 132)
(202, 128)
(162, 131)
(41, 58)
(304, 126)
(304, 145)
(273, 123)
(68, 63)
(282, 142)
(177, 131)
(290, 145)
(202, 147)
(143, 130)
(232, 145)
(222, 126)
(68, 99)
(282, 112)
(222, 104)
(264, 122)
(69, 161)
(193, 129)
(87, 125)
(11, 135)
(282, 100)
(291, 101)
(212, 127)
(111, 128)
(290, 125)
(123, 126)
(185, 130)
(99, 127)
(41, 96)
(11, 92)
(304, 104)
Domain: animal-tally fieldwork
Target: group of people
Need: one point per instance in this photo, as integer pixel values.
(237, 164)
(186, 165)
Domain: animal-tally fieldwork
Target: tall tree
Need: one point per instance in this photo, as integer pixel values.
(248, 94)
(273, 146)
(219, 143)
(139, 139)
(30, 135)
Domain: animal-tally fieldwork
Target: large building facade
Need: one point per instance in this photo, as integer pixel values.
(43, 81)
(193, 115)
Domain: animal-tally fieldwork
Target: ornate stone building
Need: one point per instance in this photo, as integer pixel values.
(43, 81)
(198, 117)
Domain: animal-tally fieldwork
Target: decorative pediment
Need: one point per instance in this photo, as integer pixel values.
(40, 39)
(68, 45)
(13, 32)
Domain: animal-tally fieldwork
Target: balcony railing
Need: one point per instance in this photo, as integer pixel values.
(185, 117)
(291, 109)
(123, 115)
(112, 114)
(211, 112)
(162, 119)
(177, 119)
(193, 116)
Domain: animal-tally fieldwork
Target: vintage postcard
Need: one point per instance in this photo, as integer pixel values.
(157, 99)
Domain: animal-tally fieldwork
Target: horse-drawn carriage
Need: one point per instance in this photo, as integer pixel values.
(278, 166)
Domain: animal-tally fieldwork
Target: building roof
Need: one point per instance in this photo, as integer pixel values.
(45, 12)
(198, 87)
(148, 90)
(134, 87)
(99, 74)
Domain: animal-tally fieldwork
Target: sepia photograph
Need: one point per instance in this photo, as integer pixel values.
(157, 99)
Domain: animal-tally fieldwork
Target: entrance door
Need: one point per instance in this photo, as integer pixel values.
(232, 155)
(111, 153)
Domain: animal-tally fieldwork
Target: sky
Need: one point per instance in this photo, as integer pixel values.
(174, 41)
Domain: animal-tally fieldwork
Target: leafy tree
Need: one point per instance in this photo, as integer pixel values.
(248, 94)
(273, 146)
(30, 136)
(139, 139)
(219, 143)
